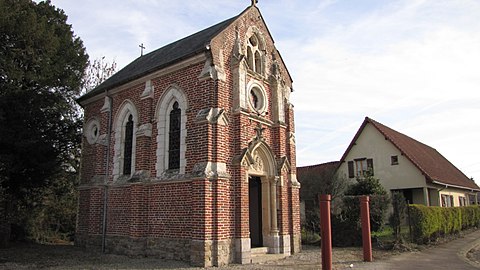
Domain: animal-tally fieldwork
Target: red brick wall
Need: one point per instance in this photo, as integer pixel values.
(196, 208)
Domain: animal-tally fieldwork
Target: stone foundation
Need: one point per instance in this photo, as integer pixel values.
(285, 247)
(297, 243)
(211, 253)
(90, 242)
(164, 248)
(198, 252)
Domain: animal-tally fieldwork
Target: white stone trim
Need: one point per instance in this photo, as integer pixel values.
(254, 49)
(210, 169)
(148, 91)
(162, 112)
(107, 105)
(212, 116)
(212, 71)
(293, 180)
(261, 94)
(145, 130)
(91, 130)
(125, 110)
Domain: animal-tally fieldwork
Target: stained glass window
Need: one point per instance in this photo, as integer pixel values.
(128, 145)
(174, 138)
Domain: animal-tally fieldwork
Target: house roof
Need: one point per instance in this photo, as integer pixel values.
(319, 169)
(436, 168)
(160, 58)
(168, 55)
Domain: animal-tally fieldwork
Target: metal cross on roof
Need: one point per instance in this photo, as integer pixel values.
(141, 49)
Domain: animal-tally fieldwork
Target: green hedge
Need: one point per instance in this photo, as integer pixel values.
(430, 222)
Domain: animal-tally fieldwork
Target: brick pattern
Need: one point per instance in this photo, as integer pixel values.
(191, 212)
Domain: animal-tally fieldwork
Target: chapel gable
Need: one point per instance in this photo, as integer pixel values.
(188, 151)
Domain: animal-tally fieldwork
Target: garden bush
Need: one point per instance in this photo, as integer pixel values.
(399, 206)
(430, 222)
(346, 225)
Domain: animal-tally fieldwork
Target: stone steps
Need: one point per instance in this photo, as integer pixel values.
(260, 255)
(259, 250)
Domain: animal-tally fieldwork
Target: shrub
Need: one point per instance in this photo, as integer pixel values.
(429, 222)
(309, 237)
(399, 206)
(347, 227)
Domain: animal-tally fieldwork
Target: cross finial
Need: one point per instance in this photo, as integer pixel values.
(254, 2)
(141, 49)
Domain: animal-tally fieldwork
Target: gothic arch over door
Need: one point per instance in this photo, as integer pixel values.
(262, 178)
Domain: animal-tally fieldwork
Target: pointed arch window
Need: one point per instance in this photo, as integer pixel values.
(128, 146)
(174, 137)
(172, 132)
(125, 129)
(254, 54)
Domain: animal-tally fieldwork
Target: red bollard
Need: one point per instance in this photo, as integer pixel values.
(366, 237)
(326, 231)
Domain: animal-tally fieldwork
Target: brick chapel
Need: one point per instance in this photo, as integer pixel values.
(189, 151)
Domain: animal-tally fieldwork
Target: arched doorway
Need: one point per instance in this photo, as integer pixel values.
(262, 194)
(255, 211)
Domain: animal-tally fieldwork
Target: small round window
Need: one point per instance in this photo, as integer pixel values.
(257, 99)
(92, 131)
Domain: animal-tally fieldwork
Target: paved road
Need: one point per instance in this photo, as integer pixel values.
(451, 256)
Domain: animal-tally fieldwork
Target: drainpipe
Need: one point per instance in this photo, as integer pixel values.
(107, 172)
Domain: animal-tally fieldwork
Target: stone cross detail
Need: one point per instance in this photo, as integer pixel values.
(254, 2)
(141, 49)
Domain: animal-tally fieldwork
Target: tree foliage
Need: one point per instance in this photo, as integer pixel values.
(42, 65)
(346, 225)
(399, 205)
(314, 182)
(323, 182)
(368, 185)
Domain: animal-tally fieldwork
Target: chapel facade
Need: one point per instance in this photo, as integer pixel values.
(189, 151)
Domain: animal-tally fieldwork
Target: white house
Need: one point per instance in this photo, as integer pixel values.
(405, 164)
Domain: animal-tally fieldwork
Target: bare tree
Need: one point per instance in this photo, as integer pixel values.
(97, 72)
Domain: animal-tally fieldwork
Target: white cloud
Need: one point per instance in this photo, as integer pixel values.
(406, 64)
(409, 64)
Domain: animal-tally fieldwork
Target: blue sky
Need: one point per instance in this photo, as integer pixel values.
(411, 65)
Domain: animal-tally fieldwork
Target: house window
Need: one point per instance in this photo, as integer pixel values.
(462, 201)
(394, 160)
(472, 199)
(128, 146)
(254, 55)
(174, 138)
(360, 167)
(447, 200)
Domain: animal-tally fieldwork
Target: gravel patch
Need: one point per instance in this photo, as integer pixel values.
(474, 255)
(35, 256)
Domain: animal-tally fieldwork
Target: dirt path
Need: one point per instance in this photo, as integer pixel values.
(34, 256)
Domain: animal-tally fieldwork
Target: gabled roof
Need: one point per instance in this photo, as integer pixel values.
(160, 58)
(319, 169)
(436, 168)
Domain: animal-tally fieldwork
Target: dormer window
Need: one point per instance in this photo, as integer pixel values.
(254, 54)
